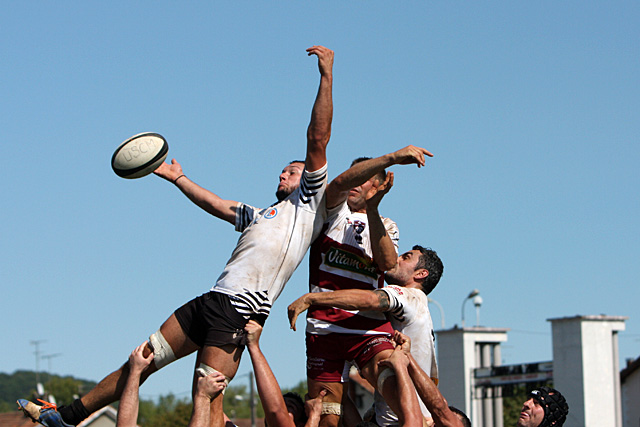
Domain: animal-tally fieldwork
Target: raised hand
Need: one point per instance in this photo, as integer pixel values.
(170, 172)
(325, 59)
(411, 154)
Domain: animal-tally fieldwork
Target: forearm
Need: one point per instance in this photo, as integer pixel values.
(319, 130)
(129, 401)
(207, 200)
(384, 251)
(431, 396)
(412, 416)
(275, 409)
(201, 412)
(361, 172)
(349, 299)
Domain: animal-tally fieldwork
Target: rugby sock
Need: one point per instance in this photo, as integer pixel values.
(75, 413)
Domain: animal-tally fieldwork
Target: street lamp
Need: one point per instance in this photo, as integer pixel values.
(439, 308)
(472, 294)
(477, 301)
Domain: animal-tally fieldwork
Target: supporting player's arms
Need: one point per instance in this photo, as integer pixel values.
(205, 199)
(427, 388)
(346, 299)
(275, 409)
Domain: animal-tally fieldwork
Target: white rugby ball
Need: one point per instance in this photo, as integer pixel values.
(139, 155)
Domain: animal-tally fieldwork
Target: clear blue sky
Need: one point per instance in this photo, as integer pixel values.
(531, 109)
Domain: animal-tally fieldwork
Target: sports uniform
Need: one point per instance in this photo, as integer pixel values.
(342, 258)
(409, 313)
(273, 242)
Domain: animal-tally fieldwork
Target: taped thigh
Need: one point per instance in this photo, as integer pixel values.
(162, 352)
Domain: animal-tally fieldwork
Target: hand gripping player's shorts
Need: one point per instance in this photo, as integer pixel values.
(327, 354)
(211, 320)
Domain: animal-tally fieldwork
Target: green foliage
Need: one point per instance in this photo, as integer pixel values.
(237, 402)
(22, 385)
(168, 412)
(64, 389)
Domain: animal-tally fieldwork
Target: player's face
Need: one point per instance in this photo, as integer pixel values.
(531, 415)
(289, 180)
(404, 270)
(357, 199)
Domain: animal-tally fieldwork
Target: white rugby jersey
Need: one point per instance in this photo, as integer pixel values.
(342, 258)
(409, 314)
(272, 244)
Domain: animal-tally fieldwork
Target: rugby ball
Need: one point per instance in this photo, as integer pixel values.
(139, 155)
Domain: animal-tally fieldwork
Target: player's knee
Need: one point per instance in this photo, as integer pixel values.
(162, 351)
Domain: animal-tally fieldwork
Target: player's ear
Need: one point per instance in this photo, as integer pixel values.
(421, 274)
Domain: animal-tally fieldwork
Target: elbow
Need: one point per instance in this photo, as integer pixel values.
(318, 136)
(387, 264)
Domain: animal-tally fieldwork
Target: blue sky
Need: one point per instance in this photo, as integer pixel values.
(531, 110)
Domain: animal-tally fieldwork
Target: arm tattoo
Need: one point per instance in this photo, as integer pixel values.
(383, 299)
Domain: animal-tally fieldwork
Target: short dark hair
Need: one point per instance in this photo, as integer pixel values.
(430, 261)
(466, 422)
(380, 176)
(296, 401)
(296, 161)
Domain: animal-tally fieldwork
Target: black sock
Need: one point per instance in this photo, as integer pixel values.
(75, 413)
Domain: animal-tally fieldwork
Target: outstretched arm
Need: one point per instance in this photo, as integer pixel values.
(346, 299)
(411, 415)
(205, 199)
(207, 388)
(275, 410)
(358, 174)
(319, 130)
(128, 410)
(384, 250)
(427, 389)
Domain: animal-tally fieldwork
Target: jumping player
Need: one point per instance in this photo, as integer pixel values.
(356, 246)
(271, 246)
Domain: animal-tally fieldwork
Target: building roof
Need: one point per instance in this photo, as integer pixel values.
(632, 366)
(15, 419)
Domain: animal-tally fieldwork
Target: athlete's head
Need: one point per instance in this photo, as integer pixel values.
(289, 179)
(419, 265)
(295, 407)
(464, 420)
(358, 195)
(545, 407)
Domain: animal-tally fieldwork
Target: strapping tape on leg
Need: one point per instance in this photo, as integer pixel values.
(204, 370)
(382, 377)
(333, 408)
(162, 352)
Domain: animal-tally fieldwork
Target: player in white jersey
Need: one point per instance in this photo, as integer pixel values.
(213, 324)
(356, 246)
(415, 275)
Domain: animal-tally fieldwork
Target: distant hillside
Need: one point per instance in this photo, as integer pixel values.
(22, 385)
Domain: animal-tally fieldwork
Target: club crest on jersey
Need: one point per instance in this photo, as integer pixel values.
(344, 260)
(358, 227)
(271, 213)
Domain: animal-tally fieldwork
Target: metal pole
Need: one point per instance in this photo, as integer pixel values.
(252, 400)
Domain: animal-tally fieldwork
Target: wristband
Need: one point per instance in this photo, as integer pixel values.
(176, 180)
